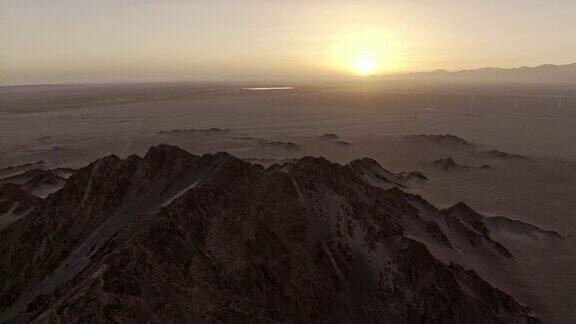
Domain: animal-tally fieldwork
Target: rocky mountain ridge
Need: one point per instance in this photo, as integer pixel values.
(175, 236)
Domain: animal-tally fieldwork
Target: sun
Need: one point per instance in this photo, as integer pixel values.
(365, 65)
(366, 51)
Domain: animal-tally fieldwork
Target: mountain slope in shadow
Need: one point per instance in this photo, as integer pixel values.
(183, 238)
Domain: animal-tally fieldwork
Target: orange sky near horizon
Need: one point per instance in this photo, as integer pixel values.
(146, 40)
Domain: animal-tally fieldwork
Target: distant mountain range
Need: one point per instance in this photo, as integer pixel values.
(546, 72)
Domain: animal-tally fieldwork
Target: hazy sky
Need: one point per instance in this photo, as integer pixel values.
(119, 40)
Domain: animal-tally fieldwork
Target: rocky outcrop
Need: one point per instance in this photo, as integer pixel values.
(448, 164)
(372, 172)
(443, 140)
(467, 223)
(193, 131)
(333, 138)
(330, 136)
(499, 155)
(271, 144)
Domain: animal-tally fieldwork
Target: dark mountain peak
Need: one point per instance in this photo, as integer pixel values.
(313, 162)
(461, 207)
(163, 152)
(103, 162)
(330, 136)
(415, 175)
(366, 161)
(446, 163)
(323, 171)
(320, 170)
(369, 167)
(335, 139)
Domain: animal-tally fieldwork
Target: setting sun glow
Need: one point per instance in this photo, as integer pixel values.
(367, 52)
(365, 65)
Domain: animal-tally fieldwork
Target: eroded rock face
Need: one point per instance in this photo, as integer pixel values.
(174, 237)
